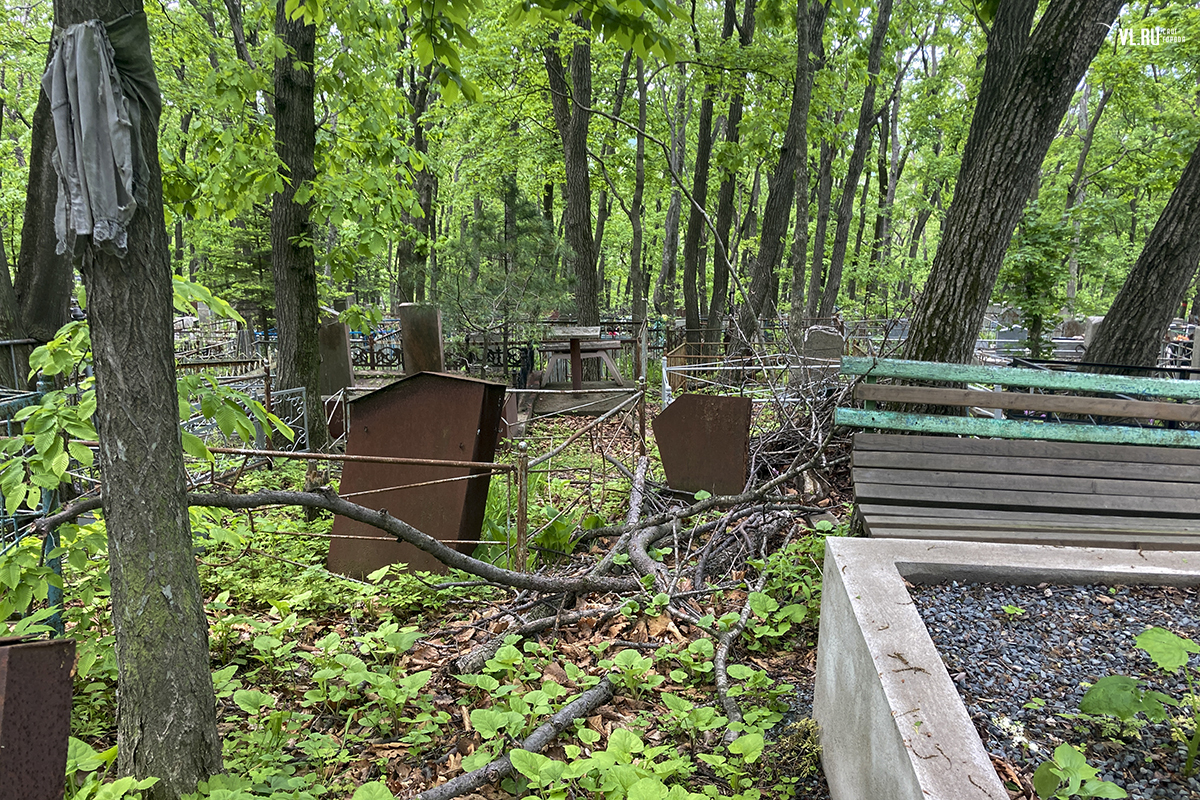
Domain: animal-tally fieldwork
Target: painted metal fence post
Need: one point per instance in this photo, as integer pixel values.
(666, 384)
(522, 554)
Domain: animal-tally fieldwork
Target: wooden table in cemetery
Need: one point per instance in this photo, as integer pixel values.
(576, 344)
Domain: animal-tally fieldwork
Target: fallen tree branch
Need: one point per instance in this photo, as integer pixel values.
(326, 499)
(502, 767)
(725, 641)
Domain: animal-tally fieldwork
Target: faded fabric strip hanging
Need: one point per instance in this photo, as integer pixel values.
(97, 119)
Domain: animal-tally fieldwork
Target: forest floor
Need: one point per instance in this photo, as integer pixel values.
(390, 687)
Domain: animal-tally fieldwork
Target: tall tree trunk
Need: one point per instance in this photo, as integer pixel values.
(636, 278)
(1134, 327)
(692, 286)
(824, 201)
(1075, 192)
(664, 291)
(603, 203)
(166, 709)
(572, 116)
(810, 26)
(722, 252)
(1028, 83)
(293, 263)
(867, 114)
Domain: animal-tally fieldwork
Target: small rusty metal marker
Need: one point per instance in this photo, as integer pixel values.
(35, 717)
(704, 442)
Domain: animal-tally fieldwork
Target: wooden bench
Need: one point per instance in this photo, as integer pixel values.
(1047, 468)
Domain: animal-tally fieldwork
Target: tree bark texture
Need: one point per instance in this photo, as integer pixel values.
(722, 252)
(1134, 327)
(824, 201)
(293, 261)
(692, 286)
(793, 155)
(664, 291)
(636, 278)
(166, 710)
(572, 116)
(867, 114)
(1028, 83)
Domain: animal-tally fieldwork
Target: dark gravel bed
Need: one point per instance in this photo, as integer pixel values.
(1018, 672)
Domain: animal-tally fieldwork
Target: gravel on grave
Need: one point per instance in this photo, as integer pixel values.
(1017, 672)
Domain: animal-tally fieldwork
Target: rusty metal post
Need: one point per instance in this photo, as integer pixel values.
(267, 385)
(522, 555)
(35, 716)
(642, 416)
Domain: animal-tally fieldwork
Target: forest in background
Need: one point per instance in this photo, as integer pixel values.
(459, 191)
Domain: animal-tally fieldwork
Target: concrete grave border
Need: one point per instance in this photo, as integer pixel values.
(892, 724)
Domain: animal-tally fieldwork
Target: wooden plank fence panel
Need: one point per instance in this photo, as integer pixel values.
(1012, 376)
(1025, 449)
(1137, 472)
(1016, 429)
(1055, 403)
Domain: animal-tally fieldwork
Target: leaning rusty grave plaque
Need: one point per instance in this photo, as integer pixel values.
(704, 442)
(424, 416)
(35, 717)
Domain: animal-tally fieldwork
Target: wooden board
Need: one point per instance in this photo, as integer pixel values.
(1056, 403)
(1029, 378)
(1025, 448)
(1096, 538)
(1140, 471)
(1005, 478)
(1016, 429)
(958, 498)
(903, 516)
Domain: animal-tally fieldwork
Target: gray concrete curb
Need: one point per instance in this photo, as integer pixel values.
(892, 724)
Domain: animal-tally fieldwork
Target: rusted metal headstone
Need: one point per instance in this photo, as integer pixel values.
(425, 416)
(704, 442)
(421, 338)
(336, 371)
(35, 717)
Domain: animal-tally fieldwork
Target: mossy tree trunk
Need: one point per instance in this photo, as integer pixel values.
(166, 709)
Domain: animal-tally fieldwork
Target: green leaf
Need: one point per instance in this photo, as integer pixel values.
(528, 764)
(194, 446)
(762, 605)
(703, 494)
(372, 791)
(1045, 780)
(252, 701)
(1095, 788)
(488, 721)
(1168, 651)
(81, 453)
(1123, 697)
(646, 789)
(623, 743)
(749, 747)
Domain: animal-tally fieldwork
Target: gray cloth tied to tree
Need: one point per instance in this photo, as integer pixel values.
(100, 82)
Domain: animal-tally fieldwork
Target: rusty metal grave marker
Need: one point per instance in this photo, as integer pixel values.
(426, 416)
(704, 442)
(35, 717)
